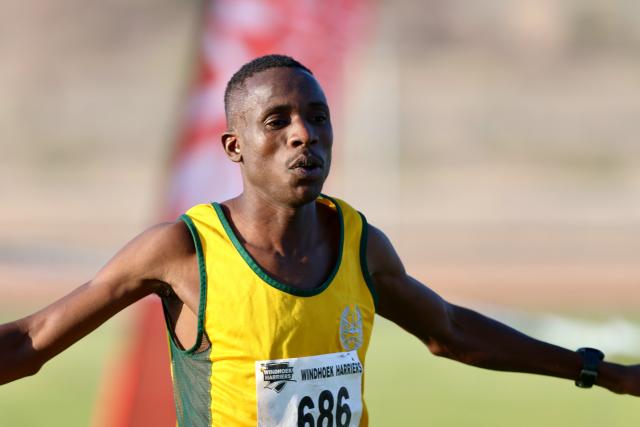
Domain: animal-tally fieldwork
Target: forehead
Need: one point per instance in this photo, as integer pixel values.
(282, 87)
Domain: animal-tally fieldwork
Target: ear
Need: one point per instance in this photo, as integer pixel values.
(231, 146)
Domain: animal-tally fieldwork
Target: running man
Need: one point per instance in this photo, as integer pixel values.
(270, 297)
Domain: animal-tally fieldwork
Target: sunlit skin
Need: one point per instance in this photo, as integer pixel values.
(280, 134)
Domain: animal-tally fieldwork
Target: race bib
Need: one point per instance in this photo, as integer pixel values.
(314, 391)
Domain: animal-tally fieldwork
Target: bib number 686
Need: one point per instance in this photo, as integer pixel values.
(326, 404)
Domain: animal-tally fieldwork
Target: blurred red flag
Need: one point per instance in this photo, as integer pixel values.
(317, 33)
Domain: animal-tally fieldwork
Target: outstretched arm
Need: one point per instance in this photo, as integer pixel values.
(144, 266)
(466, 336)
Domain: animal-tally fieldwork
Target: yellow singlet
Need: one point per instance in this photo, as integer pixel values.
(269, 354)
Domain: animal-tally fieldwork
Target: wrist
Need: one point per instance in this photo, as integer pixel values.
(612, 376)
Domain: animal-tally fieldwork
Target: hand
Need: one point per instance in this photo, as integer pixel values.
(620, 379)
(632, 380)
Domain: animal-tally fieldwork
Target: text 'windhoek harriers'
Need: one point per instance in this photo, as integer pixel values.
(331, 371)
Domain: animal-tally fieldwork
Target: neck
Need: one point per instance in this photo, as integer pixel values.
(270, 226)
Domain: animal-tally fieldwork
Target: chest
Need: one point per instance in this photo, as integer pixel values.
(305, 270)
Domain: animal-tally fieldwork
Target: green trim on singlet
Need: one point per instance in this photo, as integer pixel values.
(264, 275)
(191, 368)
(203, 288)
(363, 260)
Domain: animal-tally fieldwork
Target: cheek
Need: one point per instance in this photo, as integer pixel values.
(260, 143)
(328, 143)
(263, 153)
(327, 135)
(262, 157)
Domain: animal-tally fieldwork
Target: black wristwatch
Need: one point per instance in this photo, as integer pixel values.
(591, 358)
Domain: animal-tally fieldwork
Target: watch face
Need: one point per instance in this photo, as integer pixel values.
(590, 352)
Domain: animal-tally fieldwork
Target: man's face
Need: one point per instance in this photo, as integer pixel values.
(284, 133)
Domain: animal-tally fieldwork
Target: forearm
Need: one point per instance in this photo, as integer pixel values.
(484, 342)
(27, 344)
(480, 341)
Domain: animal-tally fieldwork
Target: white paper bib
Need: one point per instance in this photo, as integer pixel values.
(314, 391)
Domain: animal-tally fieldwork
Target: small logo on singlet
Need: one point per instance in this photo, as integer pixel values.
(276, 375)
(351, 328)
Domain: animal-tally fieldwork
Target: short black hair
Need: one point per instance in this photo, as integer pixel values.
(255, 66)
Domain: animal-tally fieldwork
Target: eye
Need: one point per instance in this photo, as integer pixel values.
(276, 123)
(320, 118)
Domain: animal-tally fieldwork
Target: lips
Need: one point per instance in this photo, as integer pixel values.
(307, 165)
(306, 161)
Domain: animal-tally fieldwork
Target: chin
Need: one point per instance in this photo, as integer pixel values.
(303, 195)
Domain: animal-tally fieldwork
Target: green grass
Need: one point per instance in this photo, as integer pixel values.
(405, 386)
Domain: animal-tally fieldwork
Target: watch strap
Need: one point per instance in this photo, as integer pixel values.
(591, 359)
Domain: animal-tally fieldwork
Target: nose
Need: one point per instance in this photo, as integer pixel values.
(302, 133)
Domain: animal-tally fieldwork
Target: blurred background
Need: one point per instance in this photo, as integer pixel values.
(495, 143)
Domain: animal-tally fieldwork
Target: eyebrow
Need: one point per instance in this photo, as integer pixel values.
(319, 104)
(284, 107)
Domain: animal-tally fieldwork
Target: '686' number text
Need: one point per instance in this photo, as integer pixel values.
(332, 411)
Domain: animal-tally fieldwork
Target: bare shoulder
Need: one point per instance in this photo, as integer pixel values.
(382, 258)
(170, 237)
(156, 256)
(386, 271)
(402, 299)
(168, 240)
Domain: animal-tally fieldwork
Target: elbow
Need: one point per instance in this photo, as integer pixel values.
(450, 342)
(20, 359)
(439, 348)
(15, 371)
(32, 368)
(21, 368)
(453, 351)
(31, 359)
(443, 341)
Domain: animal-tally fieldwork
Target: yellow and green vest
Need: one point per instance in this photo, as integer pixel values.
(267, 353)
